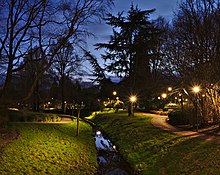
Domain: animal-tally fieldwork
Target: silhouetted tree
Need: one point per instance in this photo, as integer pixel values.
(17, 21)
(66, 64)
(40, 24)
(192, 50)
(105, 84)
(133, 49)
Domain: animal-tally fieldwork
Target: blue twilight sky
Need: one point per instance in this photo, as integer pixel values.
(102, 32)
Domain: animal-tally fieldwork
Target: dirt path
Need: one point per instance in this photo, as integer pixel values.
(160, 121)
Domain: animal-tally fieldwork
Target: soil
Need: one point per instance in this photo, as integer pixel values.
(6, 136)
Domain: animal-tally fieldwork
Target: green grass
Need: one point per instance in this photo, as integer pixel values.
(50, 149)
(151, 151)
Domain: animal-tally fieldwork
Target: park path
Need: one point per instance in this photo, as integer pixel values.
(160, 121)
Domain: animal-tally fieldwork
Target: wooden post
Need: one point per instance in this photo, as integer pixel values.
(78, 107)
(77, 127)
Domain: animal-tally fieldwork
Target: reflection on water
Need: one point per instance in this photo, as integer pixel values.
(110, 162)
(102, 143)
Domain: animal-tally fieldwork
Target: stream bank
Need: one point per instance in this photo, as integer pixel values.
(109, 159)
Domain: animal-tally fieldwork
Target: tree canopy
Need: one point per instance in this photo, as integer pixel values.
(133, 49)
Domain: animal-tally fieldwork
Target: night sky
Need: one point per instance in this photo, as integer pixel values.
(164, 8)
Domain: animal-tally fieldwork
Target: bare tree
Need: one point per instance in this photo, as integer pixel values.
(192, 49)
(66, 65)
(40, 24)
(17, 21)
(193, 39)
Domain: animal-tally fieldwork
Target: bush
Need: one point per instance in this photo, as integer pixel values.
(178, 117)
(28, 116)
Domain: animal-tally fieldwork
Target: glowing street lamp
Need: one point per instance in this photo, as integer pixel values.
(133, 99)
(196, 90)
(114, 93)
(164, 95)
(169, 89)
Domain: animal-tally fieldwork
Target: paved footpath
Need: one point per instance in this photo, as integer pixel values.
(160, 121)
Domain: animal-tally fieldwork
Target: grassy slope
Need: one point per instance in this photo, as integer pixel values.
(50, 149)
(153, 151)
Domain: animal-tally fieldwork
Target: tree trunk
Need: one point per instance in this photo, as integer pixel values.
(63, 95)
(36, 101)
(6, 87)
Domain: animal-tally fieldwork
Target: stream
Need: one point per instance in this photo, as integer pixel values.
(109, 159)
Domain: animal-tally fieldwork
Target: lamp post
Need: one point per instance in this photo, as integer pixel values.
(78, 107)
(164, 95)
(113, 101)
(164, 101)
(169, 89)
(196, 90)
(133, 99)
(169, 93)
(114, 93)
(181, 100)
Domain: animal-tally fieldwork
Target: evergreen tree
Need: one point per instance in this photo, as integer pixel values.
(132, 48)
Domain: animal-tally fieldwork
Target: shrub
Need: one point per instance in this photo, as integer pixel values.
(178, 117)
(28, 116)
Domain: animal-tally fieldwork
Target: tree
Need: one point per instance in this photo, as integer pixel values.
(43, 24)
(22, 81)
(105, 84)
(66, 64)
(132, 49)
(17, 21)
(192, 52)
(98, 71)
(193, 39)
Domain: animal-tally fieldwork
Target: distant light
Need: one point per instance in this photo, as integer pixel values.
(13, 109)
(158, 98)
(114, 147)
(98, 133)
(164, 95)
(114, 93)
(196, 89)
(133, 98)
(169, 89)
(117, 98)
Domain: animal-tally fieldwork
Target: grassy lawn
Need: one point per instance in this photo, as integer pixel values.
(50, 149)
(151, 151)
